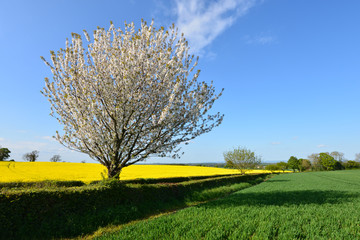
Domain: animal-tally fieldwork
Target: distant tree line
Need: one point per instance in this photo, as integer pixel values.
(30, 157)
(324, 161)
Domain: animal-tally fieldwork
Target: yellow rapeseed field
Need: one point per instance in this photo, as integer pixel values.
(87, 172)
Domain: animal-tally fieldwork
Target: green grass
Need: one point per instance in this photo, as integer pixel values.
(315, 205)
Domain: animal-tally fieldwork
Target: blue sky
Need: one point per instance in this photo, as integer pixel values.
(290, 70)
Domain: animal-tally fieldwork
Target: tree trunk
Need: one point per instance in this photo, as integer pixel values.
(114, 172)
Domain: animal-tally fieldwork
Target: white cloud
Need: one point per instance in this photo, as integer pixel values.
(202, 21)
(2, 139)
(321, 145)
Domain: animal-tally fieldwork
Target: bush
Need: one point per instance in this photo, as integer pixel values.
(168, 180)
(41, 184)
(351, 164)
(272, 167)
(282, 166)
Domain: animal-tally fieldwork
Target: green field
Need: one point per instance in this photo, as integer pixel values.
(314, 205)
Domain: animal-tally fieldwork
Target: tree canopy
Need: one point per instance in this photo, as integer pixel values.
(55, 158)
(305, 164)
(272, 167)
(282, 166)
(31, 156)
(293, 163)
(338, 156)
(4, 154)
(327, 161)
(129, 95)
(242, 159)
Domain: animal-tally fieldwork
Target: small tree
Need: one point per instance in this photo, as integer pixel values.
(338, 156)
(293, 163)
(32, 156)
(315, 161)
(55, 158)
(305, 164)
(241, 158)
(4, 154)
(282, 166)
(327, 161)
(129, 95)
(272, 167)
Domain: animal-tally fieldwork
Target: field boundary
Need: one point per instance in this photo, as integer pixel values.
(48, 213)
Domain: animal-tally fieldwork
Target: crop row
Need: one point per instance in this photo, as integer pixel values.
(314, 205)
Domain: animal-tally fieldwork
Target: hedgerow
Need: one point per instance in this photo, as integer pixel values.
(52, 212)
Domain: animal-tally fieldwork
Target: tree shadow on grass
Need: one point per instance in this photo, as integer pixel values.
(285, 198)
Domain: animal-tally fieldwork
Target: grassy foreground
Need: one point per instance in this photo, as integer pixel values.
(315, 205)
(88, 172)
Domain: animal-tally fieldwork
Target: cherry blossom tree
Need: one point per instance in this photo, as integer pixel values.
(129, 95)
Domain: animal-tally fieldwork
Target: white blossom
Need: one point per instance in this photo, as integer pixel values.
(128, 95)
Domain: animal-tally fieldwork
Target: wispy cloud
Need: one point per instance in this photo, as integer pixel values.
(260, 40)
(202, 21)
(2, 139)
(48, 138)
(321, 145)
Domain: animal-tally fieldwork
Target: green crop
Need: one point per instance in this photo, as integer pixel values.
(315, 205)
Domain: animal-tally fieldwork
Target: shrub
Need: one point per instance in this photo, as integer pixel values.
(282, 166)
(41, 184)
(351, 164)
(272, 167)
